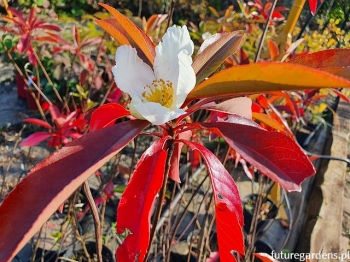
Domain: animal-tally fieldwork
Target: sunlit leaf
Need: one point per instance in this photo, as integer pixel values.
(262, 77)
(341, 95)
(228, 206)
(267, 120)
(334, 61)
(108, 26)
(106, 115)
(240, 106)
(213, 10)
(214, 51)
(274, 51)
(135, 206)
(135, 35)
(274, 154)
(154, 21)
(50, 183)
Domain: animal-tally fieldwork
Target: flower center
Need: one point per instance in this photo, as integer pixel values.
(160, 91)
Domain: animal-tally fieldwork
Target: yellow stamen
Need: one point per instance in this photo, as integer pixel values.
(160, 91)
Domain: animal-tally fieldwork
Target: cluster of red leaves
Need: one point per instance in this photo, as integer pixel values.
(263, 11)
(30, 29)
(66, 128)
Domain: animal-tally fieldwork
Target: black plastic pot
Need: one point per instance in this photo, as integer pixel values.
(269, 210)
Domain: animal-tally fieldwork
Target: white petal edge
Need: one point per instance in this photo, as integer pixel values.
(176, 40)
(186, 80)
(131, 74)
(156, 113)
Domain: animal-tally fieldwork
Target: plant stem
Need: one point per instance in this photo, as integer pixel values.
(161, 195)
(2, 196)
(97, 222)
(171, 11)
(47, 76)
(6, 5)
(265, 31)
(256, 216)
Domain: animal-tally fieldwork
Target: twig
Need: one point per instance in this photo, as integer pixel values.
(75, 224)
(133, 158)
(171, 11)
(10, 161)
(36, 245)
(253, 226)
(97, 222)
(265, 31)
(47, 76)
(205, 233)
(184, 212)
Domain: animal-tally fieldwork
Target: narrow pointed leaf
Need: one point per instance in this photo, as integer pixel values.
(37, 122)
(106, 115)
(313, 6)
(214, 51)
(52, 181)
(138, 37)
(341, 95)
(263, 77)
(35, 138)
(333, 61)
(267, 120)
(135, 207)
(154, 21)
(228, 206)
(107, 25)
(274, 154)
(265, 257)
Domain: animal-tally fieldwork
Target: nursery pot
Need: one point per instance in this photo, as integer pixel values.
(21, 92)
(268, 211)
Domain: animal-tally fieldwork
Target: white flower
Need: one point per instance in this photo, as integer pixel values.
(158, 94)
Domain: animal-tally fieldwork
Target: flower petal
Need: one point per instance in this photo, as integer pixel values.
(176, 40)
(154, 112)
(186, 80)
(130, 73)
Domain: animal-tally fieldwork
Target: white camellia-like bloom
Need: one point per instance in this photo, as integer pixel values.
(158, 94)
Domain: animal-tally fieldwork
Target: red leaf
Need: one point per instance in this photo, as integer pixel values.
(135, 35)
(274, 51)
(106, 115)
(313, 6)
(265, 257)
(240, 105)
(55, 114)
(35, 138)
(49, 184)
(274, 154)
(228, 206)
(340, 94)
(332, 58)
(135, 206)
(244, 59)
(38, 122)
(194, 159)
